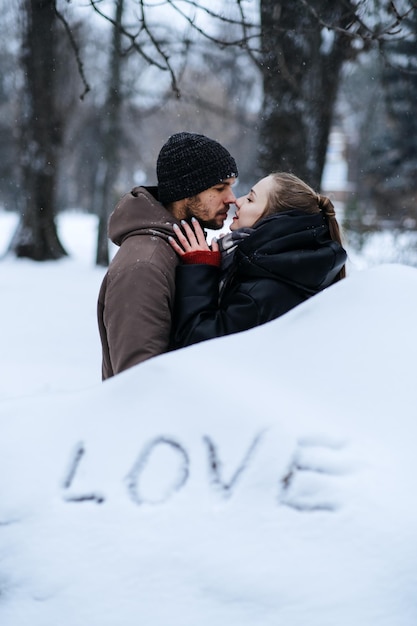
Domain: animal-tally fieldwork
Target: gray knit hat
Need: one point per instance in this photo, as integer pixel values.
(189, 163)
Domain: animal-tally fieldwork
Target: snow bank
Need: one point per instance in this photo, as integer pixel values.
(262, 478)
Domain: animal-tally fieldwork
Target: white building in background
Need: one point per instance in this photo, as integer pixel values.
(335, 183)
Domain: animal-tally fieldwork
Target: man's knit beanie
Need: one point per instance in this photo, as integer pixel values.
(189, 163)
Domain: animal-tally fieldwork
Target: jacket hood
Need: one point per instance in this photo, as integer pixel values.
(140, 213)
(293, 247)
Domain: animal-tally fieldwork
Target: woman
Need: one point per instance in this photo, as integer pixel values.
(288, 249)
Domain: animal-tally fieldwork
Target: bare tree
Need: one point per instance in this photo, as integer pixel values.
(36, 236)
(111, 136)
(300, 75)
(304, 46)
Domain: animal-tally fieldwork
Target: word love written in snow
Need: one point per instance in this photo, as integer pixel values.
(168, 460)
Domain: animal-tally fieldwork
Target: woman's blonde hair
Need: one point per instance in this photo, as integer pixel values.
(290, 192)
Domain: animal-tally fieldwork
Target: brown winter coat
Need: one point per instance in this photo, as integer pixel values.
(137, 294)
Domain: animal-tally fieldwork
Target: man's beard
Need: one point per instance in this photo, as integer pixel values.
(195, 208)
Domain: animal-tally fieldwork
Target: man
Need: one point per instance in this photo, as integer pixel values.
(195, 177)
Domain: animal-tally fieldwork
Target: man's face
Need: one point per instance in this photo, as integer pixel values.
(210, 207)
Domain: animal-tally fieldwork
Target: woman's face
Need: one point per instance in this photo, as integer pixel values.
(249, 208)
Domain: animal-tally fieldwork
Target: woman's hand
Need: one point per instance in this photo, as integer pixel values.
(193, 240)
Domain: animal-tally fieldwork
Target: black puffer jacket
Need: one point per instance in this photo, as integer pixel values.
(288, 258)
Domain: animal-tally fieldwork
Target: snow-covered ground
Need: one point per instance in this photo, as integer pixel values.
(264, 478)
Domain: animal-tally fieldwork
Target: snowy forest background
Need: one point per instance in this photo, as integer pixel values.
(91, 89)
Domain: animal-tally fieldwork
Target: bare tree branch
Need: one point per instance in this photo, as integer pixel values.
(158, 48)
(132, 37)
(75, 48)
(364, 32)
(241, 42)
(210, 13)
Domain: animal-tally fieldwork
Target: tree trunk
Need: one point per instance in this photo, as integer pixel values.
(36, 237)
(109, 166)
(301, 63)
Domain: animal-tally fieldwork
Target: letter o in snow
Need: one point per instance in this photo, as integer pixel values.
(160, 470)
